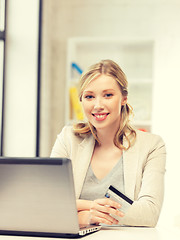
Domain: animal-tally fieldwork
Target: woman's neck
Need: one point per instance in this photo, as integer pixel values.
(106, 137)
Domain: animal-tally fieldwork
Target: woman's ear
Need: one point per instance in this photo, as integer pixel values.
(124, 100)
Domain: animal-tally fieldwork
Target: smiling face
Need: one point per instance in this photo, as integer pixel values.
(102, 101)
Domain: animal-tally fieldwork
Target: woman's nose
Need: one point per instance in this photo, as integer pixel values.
(98, 104)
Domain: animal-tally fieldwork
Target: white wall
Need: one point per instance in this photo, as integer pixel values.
(21, 78)
(166, 114)
(166, 118)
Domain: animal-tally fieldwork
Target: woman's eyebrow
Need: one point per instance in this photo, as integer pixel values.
(106, 90)
(85, 91)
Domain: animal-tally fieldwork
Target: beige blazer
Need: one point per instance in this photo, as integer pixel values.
(144, 168)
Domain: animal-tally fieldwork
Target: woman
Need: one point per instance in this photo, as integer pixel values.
(108, 151)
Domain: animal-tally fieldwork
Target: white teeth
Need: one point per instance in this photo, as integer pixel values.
(100, 116)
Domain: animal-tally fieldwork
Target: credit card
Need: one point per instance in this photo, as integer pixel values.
(119, 197)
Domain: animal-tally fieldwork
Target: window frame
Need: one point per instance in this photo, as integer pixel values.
(3, 38)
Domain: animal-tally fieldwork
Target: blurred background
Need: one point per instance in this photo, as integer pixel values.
(46, 44)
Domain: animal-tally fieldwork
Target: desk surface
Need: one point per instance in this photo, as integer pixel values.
(125, 233)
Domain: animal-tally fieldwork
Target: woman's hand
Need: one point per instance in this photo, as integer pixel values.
(98, 211)
(103, 210)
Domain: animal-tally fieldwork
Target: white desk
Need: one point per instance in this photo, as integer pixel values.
(122, 233)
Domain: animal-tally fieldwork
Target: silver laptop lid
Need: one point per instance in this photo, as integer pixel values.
(37, 194)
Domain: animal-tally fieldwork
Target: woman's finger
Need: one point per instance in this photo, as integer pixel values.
(99, 217)
(109, 202)
(107, 206)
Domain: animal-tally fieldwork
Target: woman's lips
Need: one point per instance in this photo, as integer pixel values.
(100, 116)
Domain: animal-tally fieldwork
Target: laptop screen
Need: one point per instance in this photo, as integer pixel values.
(37, 194)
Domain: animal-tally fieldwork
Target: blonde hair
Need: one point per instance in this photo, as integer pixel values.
(109, 68)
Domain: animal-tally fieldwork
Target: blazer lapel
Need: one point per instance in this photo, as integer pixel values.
(130, 161)
(82, 161)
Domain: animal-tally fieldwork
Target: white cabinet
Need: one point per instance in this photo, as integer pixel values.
(134, 56)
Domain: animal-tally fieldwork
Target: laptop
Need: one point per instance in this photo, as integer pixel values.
(37, 198)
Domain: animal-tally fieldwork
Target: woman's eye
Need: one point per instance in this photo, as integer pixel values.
(89, 97)
(108, 95)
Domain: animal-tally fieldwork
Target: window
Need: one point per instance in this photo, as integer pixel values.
(2, 61)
